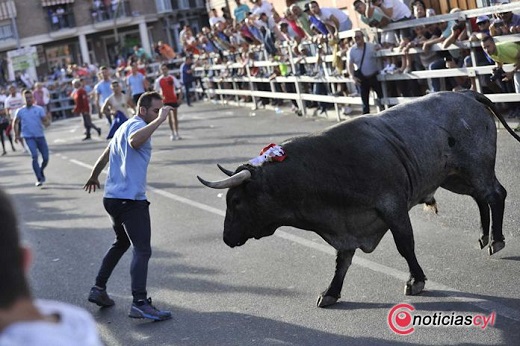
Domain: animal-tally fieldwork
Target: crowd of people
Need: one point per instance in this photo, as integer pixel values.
(260, 32)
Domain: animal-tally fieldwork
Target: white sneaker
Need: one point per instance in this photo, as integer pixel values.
(347, 110)
(173, 137)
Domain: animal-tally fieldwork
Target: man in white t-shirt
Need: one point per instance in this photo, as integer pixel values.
(336, 20)
(24, 320)
(214, 18)
(13, 102)
(261, 6)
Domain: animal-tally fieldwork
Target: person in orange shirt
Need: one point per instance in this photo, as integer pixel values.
(166, 85)
(166, 51)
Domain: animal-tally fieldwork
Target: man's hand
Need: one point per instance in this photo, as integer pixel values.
(508, 76)
(164, 111)
(91, 185)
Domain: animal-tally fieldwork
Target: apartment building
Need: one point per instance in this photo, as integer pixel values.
(37, 35)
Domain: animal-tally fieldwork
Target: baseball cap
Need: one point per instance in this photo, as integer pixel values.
(482, 19)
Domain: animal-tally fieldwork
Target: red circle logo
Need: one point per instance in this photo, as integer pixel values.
(400, 319)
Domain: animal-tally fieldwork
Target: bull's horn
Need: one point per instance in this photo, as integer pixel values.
(234, 180)
(225, 171)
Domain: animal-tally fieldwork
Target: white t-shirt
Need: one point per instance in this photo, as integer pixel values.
(13, 103)
(215, 20)
(400, 10)
(265, 7)
(75, 327)
(344, 21)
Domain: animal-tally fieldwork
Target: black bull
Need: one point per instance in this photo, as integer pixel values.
(354, 181)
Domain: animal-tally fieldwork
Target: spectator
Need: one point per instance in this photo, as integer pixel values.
(166, 84)
(182, 35)
(318, 27)
(42, 96)
(102, 90)
(240, 11)
(141, 54)
(261, 6)
(166, 51)
(5, 123)
(23, 319)
(371, 15)
(82, 107)
(137, 83)
(302, 20)
(13, 103)
(29, 124)
(397, 11)
(187, 77)
(214, 18)
(335, 19)
(362, 66)
(504, 53)
(506, 23)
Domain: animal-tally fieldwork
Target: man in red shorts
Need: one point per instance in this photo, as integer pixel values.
(82, 107)
(166, 85)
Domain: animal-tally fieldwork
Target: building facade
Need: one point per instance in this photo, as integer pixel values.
(50, 33)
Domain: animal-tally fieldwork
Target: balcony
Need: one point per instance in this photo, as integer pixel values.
(61, 22)
(103, 14)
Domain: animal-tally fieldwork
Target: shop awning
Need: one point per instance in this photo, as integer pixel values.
(46, 3)
(7, 10)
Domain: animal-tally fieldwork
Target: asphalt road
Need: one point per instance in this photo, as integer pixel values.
(264, 292)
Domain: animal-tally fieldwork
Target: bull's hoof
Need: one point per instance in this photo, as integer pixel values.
(496, 246)
(413, 287)
(324, 301)
(483, 241)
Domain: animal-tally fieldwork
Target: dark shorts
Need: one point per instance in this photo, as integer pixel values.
(172, 104)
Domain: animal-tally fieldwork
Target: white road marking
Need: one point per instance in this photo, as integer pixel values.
(486, 305)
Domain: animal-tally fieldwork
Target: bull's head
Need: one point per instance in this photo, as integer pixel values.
(246, 207)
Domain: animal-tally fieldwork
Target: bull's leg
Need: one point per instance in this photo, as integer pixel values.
(333, 292)
(496, 201)
(483, 209)
(464, 187)
(402, 232)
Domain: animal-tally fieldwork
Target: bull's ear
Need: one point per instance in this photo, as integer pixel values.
(225, 171)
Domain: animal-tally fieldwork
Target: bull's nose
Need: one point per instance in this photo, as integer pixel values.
(233, 242)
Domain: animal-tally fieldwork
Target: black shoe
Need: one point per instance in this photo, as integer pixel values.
(100, 297)
(98, 131)
(4, 153)
(86, 138)
(145, 309)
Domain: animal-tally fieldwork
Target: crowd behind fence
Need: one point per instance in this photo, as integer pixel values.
(316, 76)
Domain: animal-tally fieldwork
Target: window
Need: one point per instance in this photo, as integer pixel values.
(163, 6)
(184, 4)
(6, 31)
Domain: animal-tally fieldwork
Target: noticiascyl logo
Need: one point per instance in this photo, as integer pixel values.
(402, 320)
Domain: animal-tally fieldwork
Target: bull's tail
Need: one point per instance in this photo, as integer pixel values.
(493, 108)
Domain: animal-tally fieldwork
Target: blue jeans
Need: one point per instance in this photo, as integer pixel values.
(131, 224)
(187, 87)
(36, 144)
